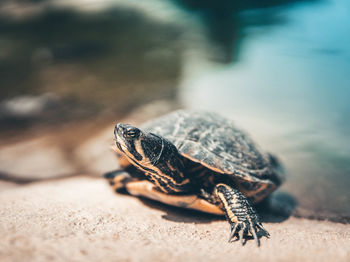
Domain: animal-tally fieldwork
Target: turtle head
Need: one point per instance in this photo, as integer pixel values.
(157, 157)
(140, 147)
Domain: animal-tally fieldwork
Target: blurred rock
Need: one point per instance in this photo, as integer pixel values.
(81, 219)
(96, 155)
(27, 106)
(34, 159)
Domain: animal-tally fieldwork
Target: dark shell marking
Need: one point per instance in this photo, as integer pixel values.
(217, 144)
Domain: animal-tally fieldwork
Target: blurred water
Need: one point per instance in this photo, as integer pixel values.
(290, 90)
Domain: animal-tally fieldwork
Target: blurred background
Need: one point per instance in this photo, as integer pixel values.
(70, 69)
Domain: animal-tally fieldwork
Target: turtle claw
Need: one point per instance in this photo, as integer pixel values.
(263, 231)
(234, 229)
(252, 230)
(240, 231)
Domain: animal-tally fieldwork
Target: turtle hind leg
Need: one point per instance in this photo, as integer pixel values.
(240, 214)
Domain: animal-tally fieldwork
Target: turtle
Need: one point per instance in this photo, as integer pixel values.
(198, 160)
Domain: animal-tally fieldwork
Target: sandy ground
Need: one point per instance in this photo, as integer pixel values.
(81, 219)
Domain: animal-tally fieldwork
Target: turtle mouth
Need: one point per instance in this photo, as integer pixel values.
(120, 146)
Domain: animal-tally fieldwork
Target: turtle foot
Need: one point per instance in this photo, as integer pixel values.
(244, 230)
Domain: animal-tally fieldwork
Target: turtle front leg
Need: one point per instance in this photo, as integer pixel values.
(120, 178)
(240, 214)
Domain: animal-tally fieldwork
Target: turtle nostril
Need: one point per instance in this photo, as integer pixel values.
(119, 129)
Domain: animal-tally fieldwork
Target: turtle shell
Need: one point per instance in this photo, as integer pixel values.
(216, 143)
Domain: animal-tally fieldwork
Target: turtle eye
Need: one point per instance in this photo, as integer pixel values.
(132, 133)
